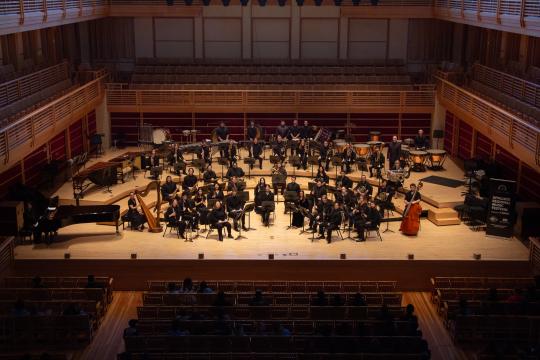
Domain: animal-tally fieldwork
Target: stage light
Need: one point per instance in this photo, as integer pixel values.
(169, 2)
(225, 2)
(410, 256)
(299, 2)
(206, 2)
(262, 2)
(477, 256)
(201, 256)
(270, 256)
(67, 256)
(343, 256)
(318, 2)
(134, 256)
(338, 2)
(356, 2)
(244, 2)
(282, 2)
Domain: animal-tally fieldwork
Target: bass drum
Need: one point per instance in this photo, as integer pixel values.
(159, 136)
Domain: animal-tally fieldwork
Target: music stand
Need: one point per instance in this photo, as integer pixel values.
(248, 208)
(274, 159)
(249, 161)
(268, 206)
(223, 161)
(313, 160)
(305, 214)
(361, 162)
(337, 161)
(199, 164)
(279, 179)
(295, 161)
(290, 197)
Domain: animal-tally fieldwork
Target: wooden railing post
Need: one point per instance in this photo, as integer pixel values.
(21, 12)
(80, 7)
(478, 8)
(462, 8)
(522, 13)
(64, 8)
(498, 12)
(6, 141)
(45, 10)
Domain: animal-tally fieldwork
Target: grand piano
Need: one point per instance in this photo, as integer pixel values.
(66, 215)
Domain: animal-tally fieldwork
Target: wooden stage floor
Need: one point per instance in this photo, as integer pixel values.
(456, 242)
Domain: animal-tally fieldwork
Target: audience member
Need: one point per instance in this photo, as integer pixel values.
(131, 330)
(320, 299)
(177, 329)
(19, 309)
(221, 300)
(358, 300)
(37, 283)
(517, 297)
(258, 299)
(172, 288)
(204, 289)
(337, 300)
(187, 286)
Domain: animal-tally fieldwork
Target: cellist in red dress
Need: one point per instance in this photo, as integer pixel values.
(411, 215)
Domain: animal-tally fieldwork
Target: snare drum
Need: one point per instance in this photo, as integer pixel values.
(417, 159)
(362, 149)
(436, 158)
(159, 136)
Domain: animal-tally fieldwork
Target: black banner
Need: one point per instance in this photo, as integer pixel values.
(501, 216)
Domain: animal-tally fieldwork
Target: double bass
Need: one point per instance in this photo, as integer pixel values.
(410, 224)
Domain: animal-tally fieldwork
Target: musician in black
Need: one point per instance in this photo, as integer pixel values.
(294, 136)
(199, 199)
(189, 183)
(348, 156)
(260, 187)
(302, 152)
(321, 174)
(421, 142)
(232, 152)
(324, 155)
(235, 206)
(279, 178)
(409, 196)
(263, 209)
(215, 193)
(153, 165)
(332, 222)
(320, 213)
(293, 185)
(278, 149)
(173, 217)
(369, 217)
(134, 214)
(188, 210)
(394, 151)
(209, 175)
(218, 219)
(235, 170)
(364, 187)
(282, 130)
(256, 152)
(204, 153)
(344, 196)
(319, 190)
(235, 185)
(343, 180)
(222, 134)
(304, 203)
(384, 196)
(252, 131)
(176, 159)
(168, 190)
(30, 220)
(306, 131)
(376, 162)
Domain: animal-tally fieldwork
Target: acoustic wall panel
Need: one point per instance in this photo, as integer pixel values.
(57, 147)
(529, 184)
(174, 37)
(464, 140)
(411, 123)
(271, 38)
(9, 178)
(33, 164)
(319, 38)
(125, 127)
(507, 164)
(76, 138)
(223, 38)
(368, 38)
(449, 125)
(484, 147)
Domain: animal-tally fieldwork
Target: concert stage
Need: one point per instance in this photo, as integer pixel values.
(437, 250)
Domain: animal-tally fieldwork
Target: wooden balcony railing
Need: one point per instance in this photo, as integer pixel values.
(521, 89)
(120, 98)
(35, 128)
(534, 254)
(21, 87)
(507, 130)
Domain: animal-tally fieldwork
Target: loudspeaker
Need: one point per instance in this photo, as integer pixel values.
(270, 256)
(343, 256)
(134, 256)
(67, 256)
(410, 256)
(201, 256)
(477, 256)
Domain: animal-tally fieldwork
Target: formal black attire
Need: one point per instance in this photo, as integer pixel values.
(306, 132)
(294, 133)
(282, 131)
(234, 206)
(298, 217)
(173, 216)
(394, 152)
(368, 189)
(205, 154)
(256, 151)
(323, 176)
(133, 215)
(252, 132)
(302, 153)
(264, 211)
(421, 142)
(223, 135)
(279, 150)
(319, 191)
(189, 182)
(371, 218)
(344, 181)
(279, 184)
(293, 187)
(210, 176)
(234, 171)
(409, 196)
(214, 218)
(324, 157)
(215, 195)
(167, 190)
(153, 165)
(333, 222)
(349, 156)
(377, 163)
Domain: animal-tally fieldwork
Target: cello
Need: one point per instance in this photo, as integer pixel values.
(410, 224)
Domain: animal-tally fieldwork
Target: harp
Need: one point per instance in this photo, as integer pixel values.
(153, 222)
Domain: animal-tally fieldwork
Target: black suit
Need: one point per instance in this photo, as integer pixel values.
(252, 133)
(333, 223)
(394, 152)
(234, 206)
(173, 216)
(255, 151)
(264, 211)
(421, 142)
(189, 182)
(167, 189)
(214, 218)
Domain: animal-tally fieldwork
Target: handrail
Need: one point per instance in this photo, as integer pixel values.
(43, 119)
(21, 7)
(515, 130)
(520, 8)
(534, 254)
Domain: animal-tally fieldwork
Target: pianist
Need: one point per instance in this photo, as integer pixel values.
(134, 214)
(169, 189)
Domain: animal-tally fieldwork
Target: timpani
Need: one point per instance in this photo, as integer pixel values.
(417, 159)
(362, 150)
(374, 136)
(436, 159)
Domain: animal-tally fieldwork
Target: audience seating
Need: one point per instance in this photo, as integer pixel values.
(284, 286)
(273, 356)
(484, 328)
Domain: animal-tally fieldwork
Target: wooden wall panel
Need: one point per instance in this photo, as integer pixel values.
(57, 147)
(529, 184)
(125, 126)
(464, 140)
(205, 123)
(507, 164)
(269, 121)
(362, 124)
(9, 178)
(76, 138)
(449, 126)
(411, 123)
(484, 147)
(175, 123)
(33, 164)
